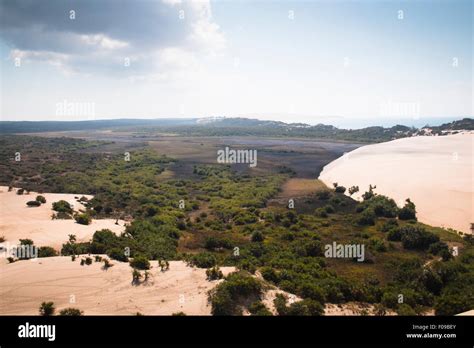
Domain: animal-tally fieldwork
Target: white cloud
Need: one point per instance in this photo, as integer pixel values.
(208, 37)
(104, 42)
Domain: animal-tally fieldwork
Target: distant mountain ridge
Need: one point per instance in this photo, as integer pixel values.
(234, 126)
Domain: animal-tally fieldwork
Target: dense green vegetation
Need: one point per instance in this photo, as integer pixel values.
(218, 216)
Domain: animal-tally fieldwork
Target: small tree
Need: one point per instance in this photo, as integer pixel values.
(353, 189)
(369, 194)
(408, 212)
(47, 309)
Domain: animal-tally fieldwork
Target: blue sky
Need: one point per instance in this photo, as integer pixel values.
(305, 61)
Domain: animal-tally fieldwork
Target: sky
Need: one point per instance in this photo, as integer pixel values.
(292, 61)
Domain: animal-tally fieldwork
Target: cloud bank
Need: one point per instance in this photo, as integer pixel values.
(142, 39)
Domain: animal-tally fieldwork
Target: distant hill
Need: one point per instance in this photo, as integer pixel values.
(57, 126)
(254, 127)
(222, 126)
(464, 124)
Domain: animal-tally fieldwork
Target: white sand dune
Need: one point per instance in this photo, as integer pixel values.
(24, 285)
(18, 221)
(436, 173)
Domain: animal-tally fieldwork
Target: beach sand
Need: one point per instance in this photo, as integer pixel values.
(18, 221)
(26, 284)
(436, 173)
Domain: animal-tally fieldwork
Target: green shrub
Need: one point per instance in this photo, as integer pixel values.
(203, 260)
(62, 206)
(46, 251)
(280, 304)
(439, 248)
(117, 254)
(366, 218)
(389, 225)
(33, 203)
(71, 312)
(329, 209)
(257, 236)
(213, 243)
(394, 235)
(214, 273)
(453, 303)
(41, 199)
(83, 219)
(321, 212)
(259, 309)
(414, 237)
(140, 262)
(405, 310)
(381, 206)
(408, 212)
(305, 307)
(323, 195)
(103, 240)
(26, 241)
(230, 296)
(378, 244)
(269, 274)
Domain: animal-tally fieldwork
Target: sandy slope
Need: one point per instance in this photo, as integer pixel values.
(436, 173)
(25, 284)
(18, 221)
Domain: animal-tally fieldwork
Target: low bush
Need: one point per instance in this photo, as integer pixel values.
(203, 260)
(214, 273)
(83, 219)
(140, 262)
(33, 203)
